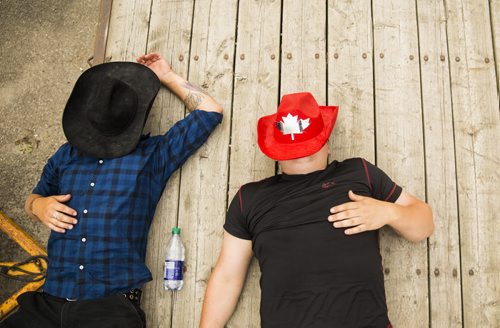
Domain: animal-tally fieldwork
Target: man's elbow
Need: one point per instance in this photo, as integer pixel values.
(427, 228)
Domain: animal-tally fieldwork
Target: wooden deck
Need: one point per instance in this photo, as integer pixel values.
(417, 85)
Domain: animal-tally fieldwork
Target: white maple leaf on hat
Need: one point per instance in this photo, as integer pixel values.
(292, 125)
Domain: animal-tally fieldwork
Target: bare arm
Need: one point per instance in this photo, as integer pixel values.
(226, 282)
(51, 211)
(409, 216)
(192, 96)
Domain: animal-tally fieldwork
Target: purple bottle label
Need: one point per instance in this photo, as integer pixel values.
(173, 270)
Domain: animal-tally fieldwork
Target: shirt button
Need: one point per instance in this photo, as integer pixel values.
(101, 161)
(81, 267)
(84, 239)
(85, 211)
(92, 184)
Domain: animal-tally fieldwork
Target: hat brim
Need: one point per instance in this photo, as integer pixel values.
(281, 151)
(83, 135)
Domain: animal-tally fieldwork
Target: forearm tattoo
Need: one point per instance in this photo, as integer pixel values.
(194, 97)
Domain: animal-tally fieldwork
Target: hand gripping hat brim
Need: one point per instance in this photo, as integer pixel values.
(313, 125)
(108, 107)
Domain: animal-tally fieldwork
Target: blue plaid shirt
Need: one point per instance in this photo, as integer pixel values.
(115, 199)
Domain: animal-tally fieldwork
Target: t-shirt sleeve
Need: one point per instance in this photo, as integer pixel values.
(382, 187)
(183, 139)
(235, 220)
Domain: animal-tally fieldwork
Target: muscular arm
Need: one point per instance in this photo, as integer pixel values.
(409, 216)
(192, 96)
(226, 282)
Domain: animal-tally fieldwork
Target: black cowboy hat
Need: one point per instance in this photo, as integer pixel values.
(107, 110)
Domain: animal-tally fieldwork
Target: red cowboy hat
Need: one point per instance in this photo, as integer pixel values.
(299, 128)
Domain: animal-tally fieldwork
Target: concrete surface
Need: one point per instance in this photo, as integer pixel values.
(44, 46)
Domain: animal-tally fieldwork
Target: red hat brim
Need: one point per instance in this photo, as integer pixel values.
(285, 151)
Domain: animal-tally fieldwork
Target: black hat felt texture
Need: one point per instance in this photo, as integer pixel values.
(108, 107)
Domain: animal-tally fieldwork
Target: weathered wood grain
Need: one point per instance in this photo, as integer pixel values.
(128, 29)
(255, 94)
(477, 131)
(495, 25)
(400, 152)
(204, 178)
(350, 78)
(170, 35)
(444, 250)
(303, 62)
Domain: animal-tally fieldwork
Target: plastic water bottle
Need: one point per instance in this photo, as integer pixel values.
(174, 262)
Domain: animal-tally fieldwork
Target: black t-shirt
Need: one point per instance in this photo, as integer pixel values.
(312, 274)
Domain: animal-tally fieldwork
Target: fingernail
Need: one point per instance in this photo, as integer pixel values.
(336, 224)
(75, 222)
(330, 218)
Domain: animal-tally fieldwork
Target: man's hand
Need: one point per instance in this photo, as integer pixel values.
(192, 96)
(362, 214)
(157, 64)
(53, 213)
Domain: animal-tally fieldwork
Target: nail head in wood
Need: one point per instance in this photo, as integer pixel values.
(181, 57)
(411, 57)
(364, 55)
(289, 55)
(316, 56)
(226, 56)
(335, 55)
(196, 57)
(457, 59)
(386, 270)
(242, 56)
(426, 58)
(486, 60)
(454, 273)
(442, 58)
(436, 272)
(418, 272)
(273, 56)
(471, 272)
(381, 55)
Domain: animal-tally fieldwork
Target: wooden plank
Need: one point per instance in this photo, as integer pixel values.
(170, 35)
(101, 36)
(477, 131)
(495, 25)
(350, 78)
(400, 152)
(255, 94)
(444, 244)
(303, 63)
(204, 178)
(128, 30)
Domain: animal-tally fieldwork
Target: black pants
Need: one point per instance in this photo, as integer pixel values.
(41, 310)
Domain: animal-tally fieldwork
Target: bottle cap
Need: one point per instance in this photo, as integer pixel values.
(176, 231)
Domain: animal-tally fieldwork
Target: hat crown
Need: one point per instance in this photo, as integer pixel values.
(113, 108)
(298, 118)
(302, 103)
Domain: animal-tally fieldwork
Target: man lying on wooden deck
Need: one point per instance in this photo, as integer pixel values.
(313, 229)
(98, 193)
